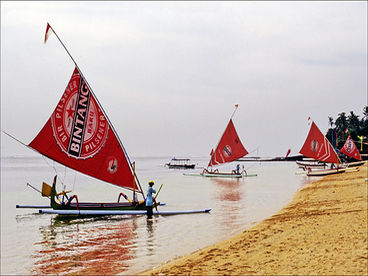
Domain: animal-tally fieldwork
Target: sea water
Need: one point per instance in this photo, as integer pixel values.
(33, 243)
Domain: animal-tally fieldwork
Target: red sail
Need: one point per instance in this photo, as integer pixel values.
(316, 146)
(229, 148)
(350, 149)
(79, 136)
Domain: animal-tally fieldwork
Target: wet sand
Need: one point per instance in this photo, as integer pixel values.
(323, 231)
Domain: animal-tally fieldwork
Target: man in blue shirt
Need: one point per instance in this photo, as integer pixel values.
(149, 199)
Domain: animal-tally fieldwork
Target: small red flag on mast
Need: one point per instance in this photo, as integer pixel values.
(48, 32)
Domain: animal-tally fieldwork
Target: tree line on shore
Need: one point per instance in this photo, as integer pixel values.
(349, 124)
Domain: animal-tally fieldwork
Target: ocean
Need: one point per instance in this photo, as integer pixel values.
(33, 243)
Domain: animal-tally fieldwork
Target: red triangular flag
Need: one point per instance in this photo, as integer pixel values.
(48, 32)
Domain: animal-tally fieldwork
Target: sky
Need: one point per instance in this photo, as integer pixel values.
(168, 74)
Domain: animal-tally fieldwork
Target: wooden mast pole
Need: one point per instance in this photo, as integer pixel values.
(236, 107)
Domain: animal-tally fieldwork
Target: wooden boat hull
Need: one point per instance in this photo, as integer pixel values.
(119, 212)
(180, 163)
(111, 206)
(220, 175)
(99, 206)
(190, 166)
(302, 164)
(325, 172)
(356, 164)
(227, 175)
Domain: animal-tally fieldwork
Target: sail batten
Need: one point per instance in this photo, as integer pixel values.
(229, 148)
(317, 146)
(80, 136)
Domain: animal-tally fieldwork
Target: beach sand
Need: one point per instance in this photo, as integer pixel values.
(323, 231)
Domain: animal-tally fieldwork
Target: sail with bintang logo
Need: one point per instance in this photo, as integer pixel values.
(80, 136)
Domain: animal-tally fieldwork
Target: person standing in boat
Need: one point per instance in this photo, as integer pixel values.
(237, 170)
(149, 199)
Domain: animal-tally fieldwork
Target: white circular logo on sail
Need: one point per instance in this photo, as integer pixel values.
(112, 165)
(227, 151)
(314, 145)
(79, 126)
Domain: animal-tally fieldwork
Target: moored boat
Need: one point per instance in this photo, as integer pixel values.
(180, 163)
(80, 136)
(325, 172)
(228, 149)
(317, 147)
(312, 164)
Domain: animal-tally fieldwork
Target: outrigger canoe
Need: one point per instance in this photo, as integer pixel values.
(325, 172)
(80, 136)
(223, 175)
(228, 149)
(119, 212)
(72, 203)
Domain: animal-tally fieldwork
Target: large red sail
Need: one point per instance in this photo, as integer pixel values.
(316, 146)
(229, 148)
(79, 136)
(350, 149)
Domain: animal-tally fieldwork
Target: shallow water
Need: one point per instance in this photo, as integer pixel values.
(33, 243)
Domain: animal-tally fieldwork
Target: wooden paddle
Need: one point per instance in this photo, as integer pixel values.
(154, 199)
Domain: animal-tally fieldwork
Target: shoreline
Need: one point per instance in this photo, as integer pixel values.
(323, 230)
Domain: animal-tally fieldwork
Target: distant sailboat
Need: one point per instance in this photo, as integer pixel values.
(228, 149)
(317, 146)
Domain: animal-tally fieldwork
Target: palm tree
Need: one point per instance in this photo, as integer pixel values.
(365, 112)
(364, 124)
(341, 124)
(354, 125)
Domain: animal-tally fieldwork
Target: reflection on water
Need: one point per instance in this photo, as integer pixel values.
(229, 189)
(69, 247)
(150, 241)
(48, 244)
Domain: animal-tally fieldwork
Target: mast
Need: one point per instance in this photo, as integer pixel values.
(99, 104)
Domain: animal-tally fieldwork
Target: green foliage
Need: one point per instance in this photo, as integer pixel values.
(356, 128)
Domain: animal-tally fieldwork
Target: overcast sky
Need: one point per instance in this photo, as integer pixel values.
(168, 74)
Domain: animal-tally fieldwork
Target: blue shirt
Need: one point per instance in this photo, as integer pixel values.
(149, 199)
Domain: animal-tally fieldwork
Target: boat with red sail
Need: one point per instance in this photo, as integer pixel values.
(317, 147)
(80, 136)
(351, 150)
(228, 149)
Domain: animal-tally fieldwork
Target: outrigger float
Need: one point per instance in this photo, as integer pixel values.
(79, 135)
(215, 173)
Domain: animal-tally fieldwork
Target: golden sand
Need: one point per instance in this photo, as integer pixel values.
(323, 231)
